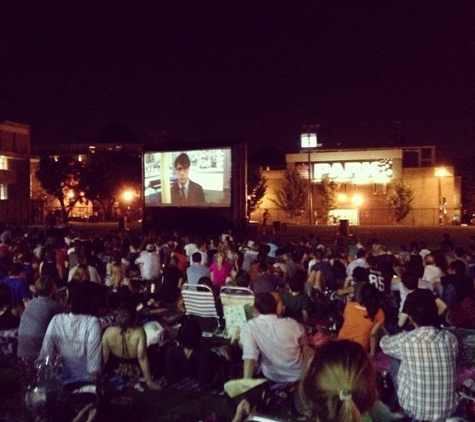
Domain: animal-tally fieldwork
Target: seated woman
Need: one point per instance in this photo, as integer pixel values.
(339, 383)
(124, 348)
(363, 319)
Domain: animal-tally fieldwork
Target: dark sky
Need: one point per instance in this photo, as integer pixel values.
(257, 70)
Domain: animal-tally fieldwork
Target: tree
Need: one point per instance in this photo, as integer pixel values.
(464, 168)
(256, 189)
(400, 201)
(293, 195)
(327, 189)
(109, 174)
(63, 178)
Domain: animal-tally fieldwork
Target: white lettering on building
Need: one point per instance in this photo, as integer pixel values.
(354, 170)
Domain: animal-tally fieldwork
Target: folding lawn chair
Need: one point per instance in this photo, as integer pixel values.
(200, 303)
(236, 301)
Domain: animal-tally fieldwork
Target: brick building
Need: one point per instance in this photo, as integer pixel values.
(366, 178)
(15, 183)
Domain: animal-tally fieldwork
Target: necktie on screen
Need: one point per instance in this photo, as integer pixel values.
(182, 194)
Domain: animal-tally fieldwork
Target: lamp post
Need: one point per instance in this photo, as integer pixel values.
(308, 140)
(441, 172)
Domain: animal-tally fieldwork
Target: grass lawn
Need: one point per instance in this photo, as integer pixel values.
(391, 235)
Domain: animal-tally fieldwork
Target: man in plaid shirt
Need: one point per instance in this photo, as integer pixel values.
(426, 378)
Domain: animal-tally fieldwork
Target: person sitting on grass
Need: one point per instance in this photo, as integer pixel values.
(427, 374)
(124, 348)
(76, 337)
(363, 319)
(36, 318)
(191, 360)
(277, 344)
(8, 317)
(296, 302)
(339, 384)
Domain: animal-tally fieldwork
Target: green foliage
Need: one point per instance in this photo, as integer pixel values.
(62, 177)
(464, 166)
(109, 174)
(400, 201)
(256, 189)
(327, 189)
(294, 193)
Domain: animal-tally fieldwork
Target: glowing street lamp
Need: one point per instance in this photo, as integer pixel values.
(128, 195)
(342, 197)
(357, 200)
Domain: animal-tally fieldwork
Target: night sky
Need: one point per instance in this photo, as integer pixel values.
(257, 70)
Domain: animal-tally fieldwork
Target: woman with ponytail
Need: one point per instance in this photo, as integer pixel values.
(339, 384)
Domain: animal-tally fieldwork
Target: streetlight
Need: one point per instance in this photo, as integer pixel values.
(308, 140)
(128, 195)
(441, 172)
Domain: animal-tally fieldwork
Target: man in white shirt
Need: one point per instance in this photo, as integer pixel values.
(360, 261)
(275, 343)
(76, 337)
(149, 263)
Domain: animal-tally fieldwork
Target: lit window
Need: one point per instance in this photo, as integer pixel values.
(3, 191)
(3, 163)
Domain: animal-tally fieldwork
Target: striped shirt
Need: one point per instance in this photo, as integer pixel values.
(77, 339)
(426, 378)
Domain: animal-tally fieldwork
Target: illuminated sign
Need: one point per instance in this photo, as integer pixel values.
(380, 170)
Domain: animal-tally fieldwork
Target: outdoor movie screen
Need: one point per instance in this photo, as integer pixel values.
(191, 178)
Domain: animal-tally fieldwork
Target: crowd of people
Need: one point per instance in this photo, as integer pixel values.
(88, 299)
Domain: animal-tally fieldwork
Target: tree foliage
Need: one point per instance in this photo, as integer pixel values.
(256, 189)
(63, 178)
(327, 189)
(464, 166)
(293, 195)
(109, 174)
(400, 200)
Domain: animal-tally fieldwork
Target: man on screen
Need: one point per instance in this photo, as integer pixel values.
(184, 191)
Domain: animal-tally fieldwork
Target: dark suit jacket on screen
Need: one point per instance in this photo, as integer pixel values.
(195, 197)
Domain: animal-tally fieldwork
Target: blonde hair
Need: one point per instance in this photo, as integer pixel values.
(429, 259)
(116, 275)
(81, 274)
(339, 384)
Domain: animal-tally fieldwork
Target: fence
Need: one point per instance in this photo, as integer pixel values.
(367, 217)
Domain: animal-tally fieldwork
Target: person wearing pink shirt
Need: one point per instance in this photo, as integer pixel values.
(220, 270)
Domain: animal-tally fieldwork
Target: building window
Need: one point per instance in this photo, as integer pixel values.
(3, 191)
(3, 163)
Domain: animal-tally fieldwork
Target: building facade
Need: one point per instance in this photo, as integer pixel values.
(15, 183)
(366, 179)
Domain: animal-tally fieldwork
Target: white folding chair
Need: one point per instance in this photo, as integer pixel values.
(234, 300)
(200, 303)
(232, 295)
